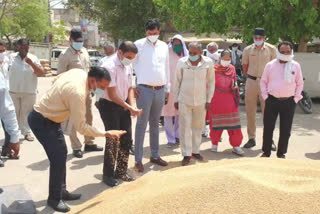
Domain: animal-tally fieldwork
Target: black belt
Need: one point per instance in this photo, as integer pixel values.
(153, 87)
(281, 98)
(252, 77)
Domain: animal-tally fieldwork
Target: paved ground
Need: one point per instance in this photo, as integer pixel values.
(84, 175)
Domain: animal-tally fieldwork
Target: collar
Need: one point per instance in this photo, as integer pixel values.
(199, 64)
(263, 46)
(117, 61)
(150, 43)
(74, 51)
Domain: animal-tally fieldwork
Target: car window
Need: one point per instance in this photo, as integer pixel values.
(56, 54)
(94, 53)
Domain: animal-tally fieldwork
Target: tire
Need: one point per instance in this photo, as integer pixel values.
(306, 103)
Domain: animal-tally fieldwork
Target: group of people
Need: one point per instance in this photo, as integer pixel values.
(173, 80)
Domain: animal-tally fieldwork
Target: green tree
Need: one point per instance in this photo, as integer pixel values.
(122, 19)
(294, 20)
(58, 32)
(25, 18)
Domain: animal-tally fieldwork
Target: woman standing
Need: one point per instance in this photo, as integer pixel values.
(177, 49)
(224, 105)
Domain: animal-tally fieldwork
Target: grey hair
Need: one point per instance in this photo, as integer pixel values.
(196, 45)
(212, 44)
(109, 44)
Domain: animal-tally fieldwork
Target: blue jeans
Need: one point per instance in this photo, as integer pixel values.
(50, 135)
(151, 102)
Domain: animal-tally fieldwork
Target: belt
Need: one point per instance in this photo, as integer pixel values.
(253, 77)
(281, 98)
(153, 87)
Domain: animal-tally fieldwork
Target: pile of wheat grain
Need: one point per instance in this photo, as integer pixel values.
(231, 186)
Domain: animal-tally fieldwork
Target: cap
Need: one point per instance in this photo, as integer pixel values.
(76, 34)
(259, 32)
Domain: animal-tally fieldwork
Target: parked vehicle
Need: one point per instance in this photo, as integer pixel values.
(241, 81)
(305, 103)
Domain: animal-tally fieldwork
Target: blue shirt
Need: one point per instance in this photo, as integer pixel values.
(7, 112)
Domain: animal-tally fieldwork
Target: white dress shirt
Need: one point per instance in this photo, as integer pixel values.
(4, 67)
(151, 64)
(102, 60)
(7, 112)
(194, 85)
(22, 78)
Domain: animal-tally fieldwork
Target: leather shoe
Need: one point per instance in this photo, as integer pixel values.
(59, 206)
(4, 152)
(251, 143)
(159, 161)
(131, 150)
(185, 160)
(67, 196)
(264, 156)
(110, 181)
(139, 167)
(281, 156)
(28, 137)
(78, 153)
(1, 190)
(93, 148)
(126, 177)
(273, 147)
(198, 157)
(1, 163)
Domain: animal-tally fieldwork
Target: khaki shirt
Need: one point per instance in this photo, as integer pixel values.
(70, 59)
(257, 59)
(194, 85)
(67, 98)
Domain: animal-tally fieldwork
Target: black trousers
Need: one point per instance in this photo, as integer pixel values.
(50, 135)
(6, 140)
(273, 108)
(115, 117)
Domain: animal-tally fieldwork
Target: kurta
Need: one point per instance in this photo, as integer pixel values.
(169, 109)
(224, 112)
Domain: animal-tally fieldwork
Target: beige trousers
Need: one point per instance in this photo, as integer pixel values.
(75, 142)
(23, 103)
(191, 122)
(253, 93)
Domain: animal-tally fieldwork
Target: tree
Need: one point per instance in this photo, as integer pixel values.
(58, 32)
(24, 18)
(122, 19)
(294, 20)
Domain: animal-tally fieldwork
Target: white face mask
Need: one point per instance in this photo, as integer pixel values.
(225, 63)
(126, 61)
(258, 42)
(283, 57)
(214, 56)
(153, 38)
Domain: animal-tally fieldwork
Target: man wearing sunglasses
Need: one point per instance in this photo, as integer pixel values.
(254, 59)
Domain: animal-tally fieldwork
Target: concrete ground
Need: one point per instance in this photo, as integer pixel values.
(84, 175)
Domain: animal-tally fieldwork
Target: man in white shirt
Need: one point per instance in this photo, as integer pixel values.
(23, 82)
(193, 91)
(212, 52)
(151, 67)
(109, 51)
(8, 117)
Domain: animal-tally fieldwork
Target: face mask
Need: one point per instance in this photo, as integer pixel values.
(98, 91)
(214, 56)
(258, 43)
(234, 48)
(225, 63)
(283, 57)
(126, 61)
(177, 48)
(153, 38)
(194, 58)
(77, 45)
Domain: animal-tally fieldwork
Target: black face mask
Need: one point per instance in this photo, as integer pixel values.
(23, 53)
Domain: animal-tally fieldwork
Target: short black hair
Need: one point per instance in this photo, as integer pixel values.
(23, 42)
(2, 43)
(225, 52)
(99, 73)
(285, 43)
(152, 24)
(128, 46)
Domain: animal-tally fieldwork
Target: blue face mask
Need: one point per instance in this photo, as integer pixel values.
(194, 58)
(77, 45)
(98, 91)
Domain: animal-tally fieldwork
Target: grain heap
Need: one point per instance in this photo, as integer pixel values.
(46, 67)
(231, 186)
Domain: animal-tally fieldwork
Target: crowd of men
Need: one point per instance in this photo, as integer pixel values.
(172, 80)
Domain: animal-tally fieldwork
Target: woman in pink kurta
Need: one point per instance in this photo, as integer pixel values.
(224, 112)
(177, 49)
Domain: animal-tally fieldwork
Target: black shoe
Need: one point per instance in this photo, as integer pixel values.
(251, 143)
(126, 177)
(177, 141)
(264, 155)
(1, 190)
(67, 196)
(281, 156)
(186, 160)
(59, 206)
(273, 147)
(131, 150)
(198, 157)
(93, 148)
(110, 181)
(4, 152)
(78, 153)
(1, 163)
